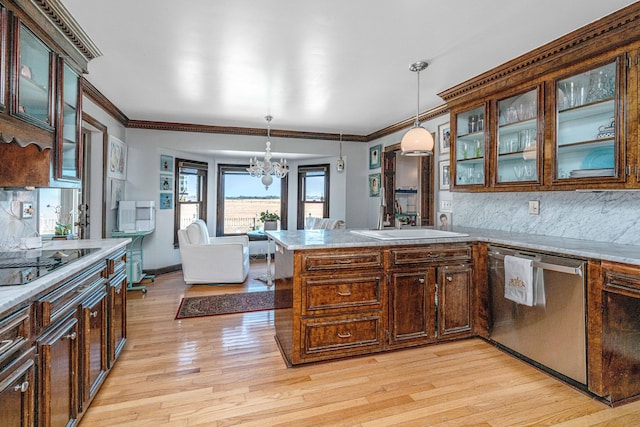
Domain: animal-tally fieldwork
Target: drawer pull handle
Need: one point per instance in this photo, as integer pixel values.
(344, 294)
(71, 336)
(93, 314)
(344, 261)
(421, 280)
(118, 291)
(22, 387)
(344, 335)
(432, 255)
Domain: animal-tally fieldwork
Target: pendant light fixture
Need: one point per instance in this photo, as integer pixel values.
(340, 162)
(266, 168)
(417, 141)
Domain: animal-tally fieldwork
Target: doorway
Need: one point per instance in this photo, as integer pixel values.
(94, 140)
(408, 183)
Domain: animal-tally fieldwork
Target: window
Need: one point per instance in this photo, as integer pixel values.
(57, 211)
(190, 193)
(242, 197)
(313, 192)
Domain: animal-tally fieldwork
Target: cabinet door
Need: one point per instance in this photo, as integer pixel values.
(454, 301)
(469, 147)
(34, 68)
(117, 316)
(412, 307)
(68, 160)
(17, 385)
(58, 393)
(94, 345)
(589, 125)
(518, 157)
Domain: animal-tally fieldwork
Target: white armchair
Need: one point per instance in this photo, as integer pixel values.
(212, 259)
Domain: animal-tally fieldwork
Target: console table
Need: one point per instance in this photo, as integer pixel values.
(135, 256)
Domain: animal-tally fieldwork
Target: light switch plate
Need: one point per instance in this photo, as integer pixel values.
(26, 210)
(534, 207)
(445, 205)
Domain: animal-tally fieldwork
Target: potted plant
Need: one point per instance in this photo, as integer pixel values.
(270, 220)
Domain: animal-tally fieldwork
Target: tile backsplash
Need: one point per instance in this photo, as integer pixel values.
(12, 225)
(610, 216)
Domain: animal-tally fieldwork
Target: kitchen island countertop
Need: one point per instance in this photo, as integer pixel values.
(316, 239)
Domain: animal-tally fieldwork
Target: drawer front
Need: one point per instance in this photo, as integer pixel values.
(342, 260)
(343, 294)
(57, 303)
(428, 255)
(338, 336)
(15, 331)
(116, 262)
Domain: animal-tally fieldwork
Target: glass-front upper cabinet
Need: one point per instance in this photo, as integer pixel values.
(34, 83)
(469, 146)
(586, 127)
(68, 146)
(517, 151)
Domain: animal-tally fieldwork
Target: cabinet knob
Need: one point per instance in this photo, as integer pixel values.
(93, 314)
(22, 387)
(118, 290)
(421, 280)
(449, 278)
(344, 335)
(71, 336)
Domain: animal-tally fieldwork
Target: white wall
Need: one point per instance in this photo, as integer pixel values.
(347, 192)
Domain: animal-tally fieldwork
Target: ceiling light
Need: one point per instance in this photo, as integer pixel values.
(267, 168)
(417, 141)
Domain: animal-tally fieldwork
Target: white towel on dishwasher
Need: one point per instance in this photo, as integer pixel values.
(518, 280)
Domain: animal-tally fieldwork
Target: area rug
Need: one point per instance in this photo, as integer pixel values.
(215, 305)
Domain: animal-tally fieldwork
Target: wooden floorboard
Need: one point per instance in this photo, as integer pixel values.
(227, 371)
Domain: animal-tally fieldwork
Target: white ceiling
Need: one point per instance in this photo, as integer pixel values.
(319, 66)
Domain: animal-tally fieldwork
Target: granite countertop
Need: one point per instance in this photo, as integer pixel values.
(318, 239)
(11, 296)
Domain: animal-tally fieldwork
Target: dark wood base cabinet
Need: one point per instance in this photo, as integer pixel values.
(51, 368)
(354, 301)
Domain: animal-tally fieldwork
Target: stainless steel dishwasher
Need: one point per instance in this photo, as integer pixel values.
(552, 334)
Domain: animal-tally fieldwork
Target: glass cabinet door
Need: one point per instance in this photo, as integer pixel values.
(517, 136)
(469, 147)
(68, 147)
(34, 84)
(586, 124)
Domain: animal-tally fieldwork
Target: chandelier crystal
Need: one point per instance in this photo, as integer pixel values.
(266, 169)
(417, 141)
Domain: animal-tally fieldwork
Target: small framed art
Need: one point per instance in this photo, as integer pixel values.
(117, 159)
(166, 163)
(443, 221)
(166, 182)
(166, 200)
(374, 157)
(444, 136)
(374, 185)
(444, 175)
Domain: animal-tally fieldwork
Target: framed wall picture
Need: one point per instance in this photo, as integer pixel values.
(166, 182)
(117, 193)
(444, 136)
(444, 175)
(374, 185)
(116, 159)
(166, 163)
(374, 157)
(166, 200)
(443, 221)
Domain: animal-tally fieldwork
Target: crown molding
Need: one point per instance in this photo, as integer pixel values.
(91, 92)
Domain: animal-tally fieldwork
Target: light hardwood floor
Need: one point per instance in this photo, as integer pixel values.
(226, 370)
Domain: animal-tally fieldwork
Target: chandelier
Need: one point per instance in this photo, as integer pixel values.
(417, 141)
(267, 168)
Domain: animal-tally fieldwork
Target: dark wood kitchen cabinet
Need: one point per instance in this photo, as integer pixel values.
(455, 301)
(561, 117)
(117, 304)
(94, 344)
(43, 53)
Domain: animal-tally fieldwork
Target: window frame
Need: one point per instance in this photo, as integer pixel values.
(222, 169)
(203, 171)
(302, 175)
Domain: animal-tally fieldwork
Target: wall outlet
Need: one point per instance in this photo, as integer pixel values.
(534, 207)
(26, 210)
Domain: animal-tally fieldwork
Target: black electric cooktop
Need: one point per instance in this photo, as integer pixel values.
(22, 267)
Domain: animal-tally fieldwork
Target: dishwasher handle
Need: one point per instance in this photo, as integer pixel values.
(568, 269)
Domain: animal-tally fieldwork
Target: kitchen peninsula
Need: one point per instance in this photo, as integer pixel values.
(353, 295)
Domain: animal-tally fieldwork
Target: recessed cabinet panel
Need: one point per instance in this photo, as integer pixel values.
(470, 147)
(517, 138)
(34, 91)
(586, 128)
